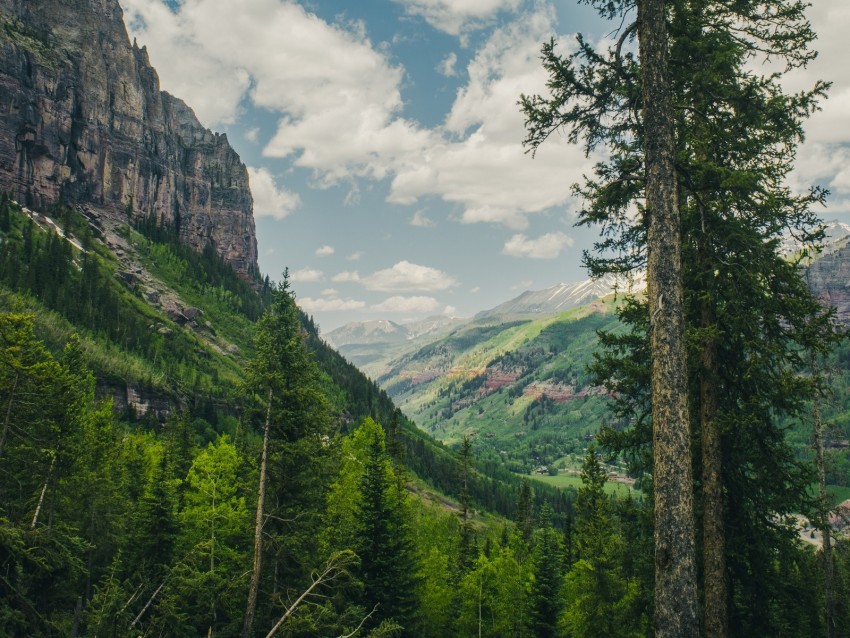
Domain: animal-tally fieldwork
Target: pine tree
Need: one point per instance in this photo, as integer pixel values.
(384, 543)
(747, 312)
(525, 511)
(546, 600)
(296, 416)
(601, 600)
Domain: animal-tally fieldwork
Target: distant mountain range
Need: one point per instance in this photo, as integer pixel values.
(563, 297)
(383, 331)
(359, 337)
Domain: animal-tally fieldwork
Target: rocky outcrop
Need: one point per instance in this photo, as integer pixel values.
(82, 118)
(828, 277)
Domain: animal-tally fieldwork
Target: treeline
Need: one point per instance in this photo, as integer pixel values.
(206, 271)
(109, 530)
(82, 287)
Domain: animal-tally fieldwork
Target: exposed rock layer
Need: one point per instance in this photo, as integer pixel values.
(82, 118)
(829, 278)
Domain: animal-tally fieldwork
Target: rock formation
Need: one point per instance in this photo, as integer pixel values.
(828, 277)
(82, 118)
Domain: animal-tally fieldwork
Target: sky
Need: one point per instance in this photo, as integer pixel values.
(384, 142)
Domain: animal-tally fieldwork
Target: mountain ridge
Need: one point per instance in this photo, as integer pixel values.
(85, 122)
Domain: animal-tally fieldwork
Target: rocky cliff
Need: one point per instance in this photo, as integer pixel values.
(82, 118)
(829, 278)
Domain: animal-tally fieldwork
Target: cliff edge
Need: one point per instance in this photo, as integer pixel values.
(82, 118)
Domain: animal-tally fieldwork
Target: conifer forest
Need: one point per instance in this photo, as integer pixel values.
(183, 454)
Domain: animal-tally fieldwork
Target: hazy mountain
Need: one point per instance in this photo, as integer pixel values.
(562, 297)
(837, 234)
(367, 332)
(384, 331)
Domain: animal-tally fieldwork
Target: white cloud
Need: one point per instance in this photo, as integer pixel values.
(831, 21)
(525, 284)
(547, 246)
(346, 277)
(252, 134)
(406, 276)
(446, 66)
(269, 199)
(337, 97)
(421, 220)
(450, 311)
(186, 58)
(410, 305)
(829, 166)
(333, 304)
(458, 16)
(330, 292)
(475, 290)
(324, 251)
(480, 164)
(307, 275)
(354, 256)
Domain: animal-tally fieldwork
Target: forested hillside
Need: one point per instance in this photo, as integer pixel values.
(182, 454)
(132, 446)
(141, 517)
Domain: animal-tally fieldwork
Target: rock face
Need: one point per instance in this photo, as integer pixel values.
(829, 278)
(82, 118)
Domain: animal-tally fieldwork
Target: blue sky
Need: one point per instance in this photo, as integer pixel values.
(383, 140)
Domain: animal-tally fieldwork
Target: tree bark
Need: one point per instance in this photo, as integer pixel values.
(824, 508)
(715, 608)
(254, 587)
(43, 492)
(675, 573)
(8, 418)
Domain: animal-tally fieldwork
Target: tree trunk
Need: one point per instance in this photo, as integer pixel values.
(675, 573)
(824, 517)
(254, 587)
(715, 609)
(43, 492)
(8, 418)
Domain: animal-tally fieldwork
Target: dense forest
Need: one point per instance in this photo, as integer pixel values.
(182, 455)
(119, 523)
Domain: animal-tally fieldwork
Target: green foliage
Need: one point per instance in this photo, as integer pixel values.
(603, 599)
(546, 596)
(492, 597)
(384, 542)
(210, 583)
(751, 322)
(124, 338)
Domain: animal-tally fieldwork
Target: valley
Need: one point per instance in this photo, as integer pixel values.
(184, 452)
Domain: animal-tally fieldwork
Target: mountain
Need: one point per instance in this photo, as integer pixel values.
(370, 344)
(518, 387)
(562, 297)
(383, 331)
(828, 277)
(367, 332)
(84, 121)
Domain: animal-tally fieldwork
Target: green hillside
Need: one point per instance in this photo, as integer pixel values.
(520, 389)
(135, 399)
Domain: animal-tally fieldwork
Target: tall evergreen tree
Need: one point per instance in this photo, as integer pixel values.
(384, 542)
(545, 595)
(601, 600)
(748, 314)
(295, 417)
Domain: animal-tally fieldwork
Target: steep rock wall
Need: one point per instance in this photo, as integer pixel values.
(829, 278)
(82, 117)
